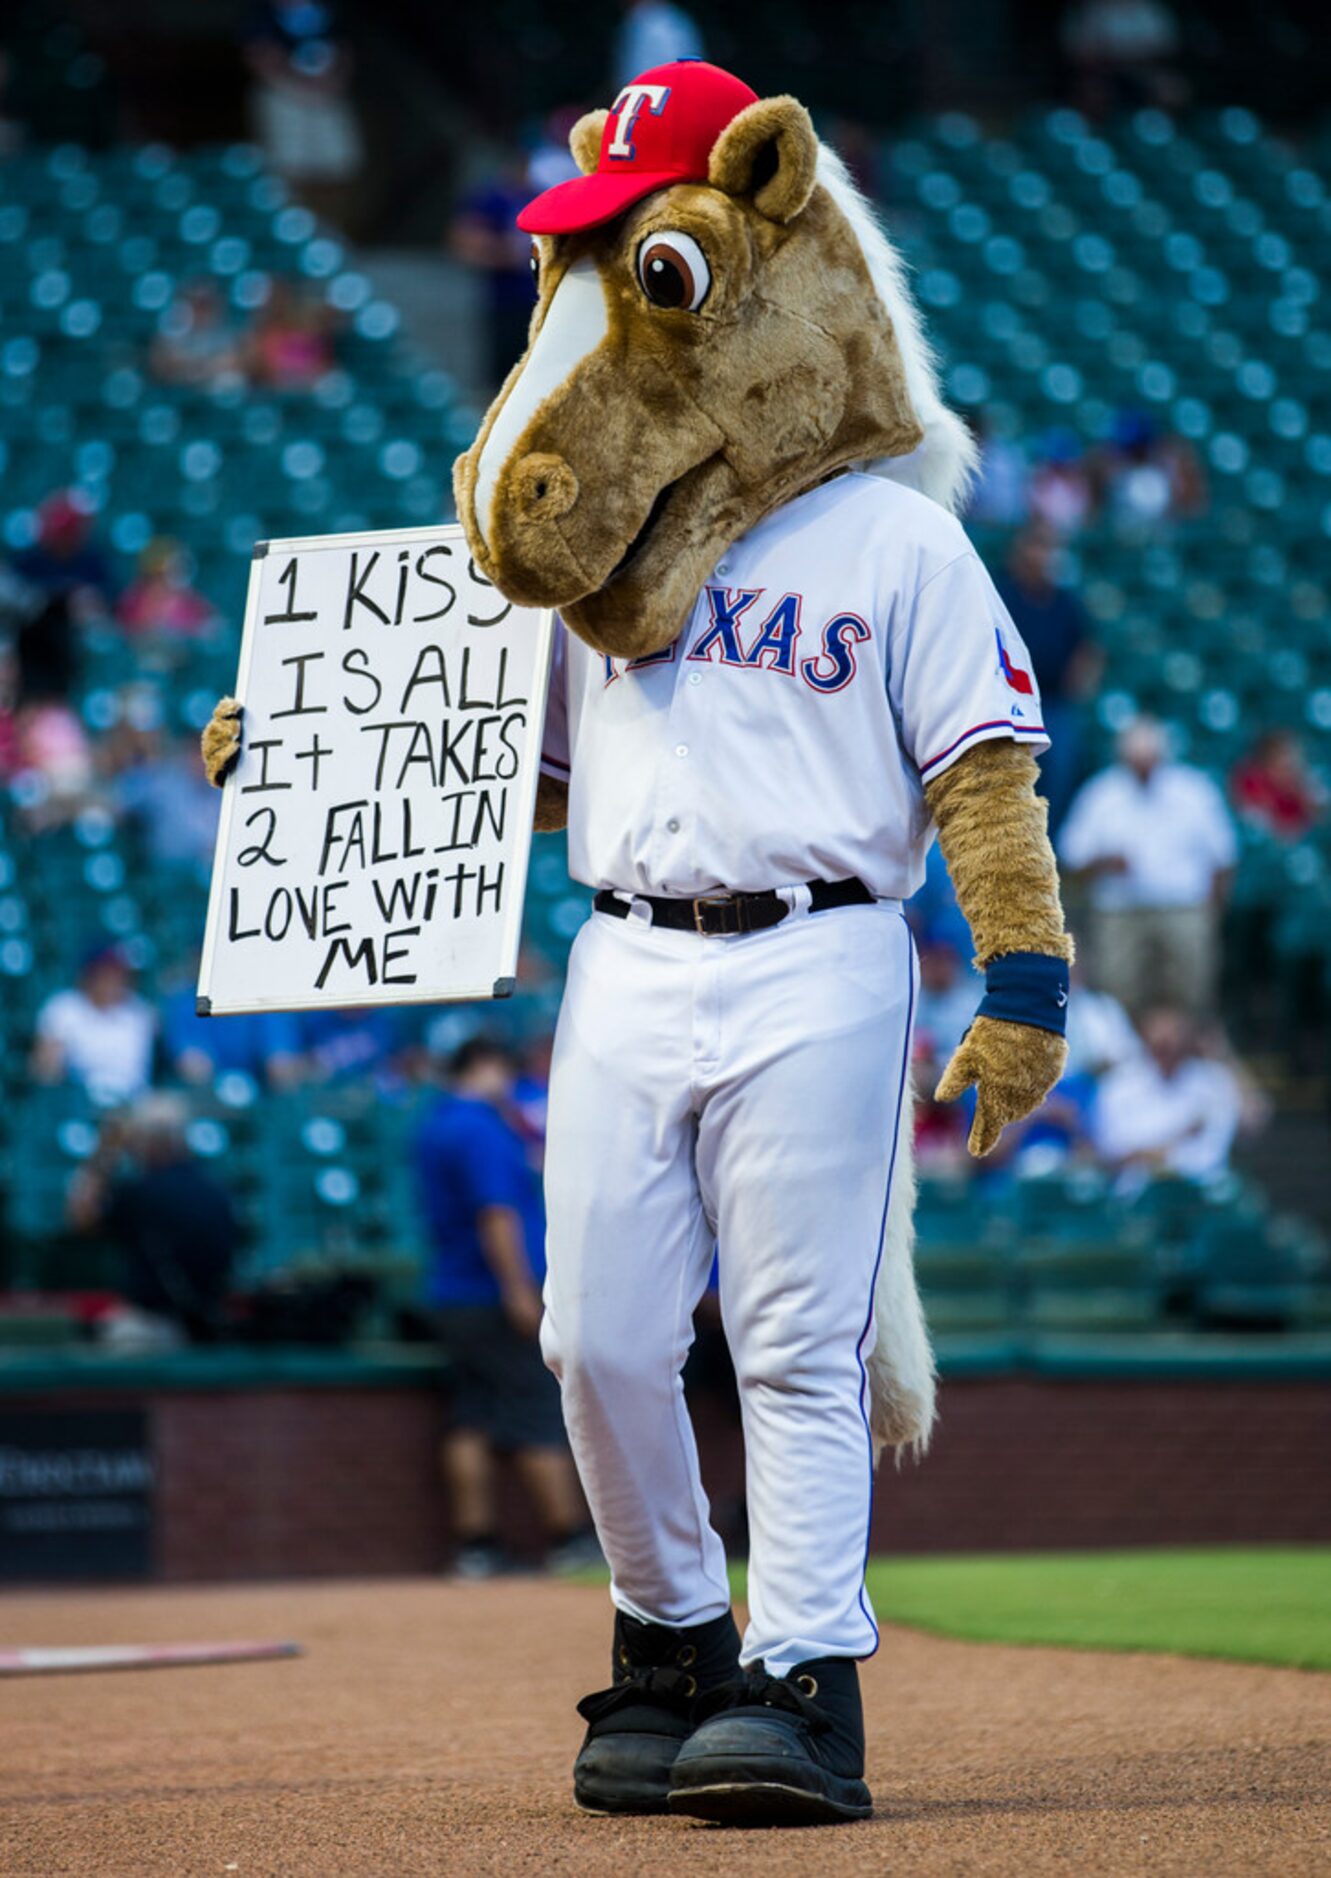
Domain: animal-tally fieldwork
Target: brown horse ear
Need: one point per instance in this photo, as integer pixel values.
(768, 153)
(584, 140)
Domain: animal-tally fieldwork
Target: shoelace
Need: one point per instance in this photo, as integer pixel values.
(664, 1687)
(755, 1688)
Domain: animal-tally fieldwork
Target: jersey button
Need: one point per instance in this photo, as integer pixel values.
(723, 567)
(673, 826)
(695, 678)
(681, 749)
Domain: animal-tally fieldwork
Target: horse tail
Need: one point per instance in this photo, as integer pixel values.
(901, 1364)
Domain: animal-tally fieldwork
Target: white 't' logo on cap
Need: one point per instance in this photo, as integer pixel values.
(629, 104)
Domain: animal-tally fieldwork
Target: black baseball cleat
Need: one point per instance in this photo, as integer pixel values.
(638, 1725)
(777, 1750)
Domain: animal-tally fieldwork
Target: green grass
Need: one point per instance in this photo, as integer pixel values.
(1252, 1604)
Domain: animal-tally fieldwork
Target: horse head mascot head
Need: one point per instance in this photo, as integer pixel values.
(720, 325)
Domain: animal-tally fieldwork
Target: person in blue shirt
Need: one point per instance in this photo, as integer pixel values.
(261, 1044)
(482, 1206)
(1056, 631)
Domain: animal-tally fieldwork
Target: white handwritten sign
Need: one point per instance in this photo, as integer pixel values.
(374, 835)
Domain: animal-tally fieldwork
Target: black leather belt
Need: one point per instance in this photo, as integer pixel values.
(727, 915)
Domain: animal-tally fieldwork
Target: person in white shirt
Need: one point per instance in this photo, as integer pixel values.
(98, 1033)
(1155, 843)
(653, 33)
(1168, 1110)
(1100, 1032)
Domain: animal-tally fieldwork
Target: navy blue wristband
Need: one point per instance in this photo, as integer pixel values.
(1027, 988)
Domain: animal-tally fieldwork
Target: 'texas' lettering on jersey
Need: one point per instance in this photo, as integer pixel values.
(734, 635)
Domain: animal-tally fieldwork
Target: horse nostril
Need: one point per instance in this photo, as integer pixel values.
(544, 487)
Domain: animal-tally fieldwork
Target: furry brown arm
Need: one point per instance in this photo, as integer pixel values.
(993, 830)
(551, 805)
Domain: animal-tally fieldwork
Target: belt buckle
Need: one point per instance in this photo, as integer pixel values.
(700, 906)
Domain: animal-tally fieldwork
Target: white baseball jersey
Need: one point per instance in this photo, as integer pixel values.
(846, 651)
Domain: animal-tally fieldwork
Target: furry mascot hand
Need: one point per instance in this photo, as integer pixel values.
(551, 805)
(220, 742)
(1013, 1068)
(992, 828)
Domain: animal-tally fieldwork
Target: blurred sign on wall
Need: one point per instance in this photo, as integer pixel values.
(76, 1495)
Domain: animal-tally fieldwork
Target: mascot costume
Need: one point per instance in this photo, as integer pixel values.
(781, 670)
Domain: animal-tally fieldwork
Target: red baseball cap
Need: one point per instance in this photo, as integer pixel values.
(660, 130)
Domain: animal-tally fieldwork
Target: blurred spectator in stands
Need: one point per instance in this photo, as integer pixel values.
(1155, 843)
(1149, 476)
(940, 1128)
(48, 646)
(1256, 1107)
(1061, 493)
(949, 993)
(1057, 1132)
(161, 602)
(172, 1222)
(53, 772)
(551, 161)
(99, 1033)
(300, 102)
(262, 1045)
(484, 235)
(530, 1099)
(358, 1041)
(197, 342)
(66, 562)
(66, 556)
(65, 579)
(1168, 1110)
(482, 1206)
(1000, 494)
(933, 913)
(652, 32)
(157, 785)
(18, 599)
(1122, 53)
(1057, 634)
(1274, 788)
(1101, 1035)
(291, 345)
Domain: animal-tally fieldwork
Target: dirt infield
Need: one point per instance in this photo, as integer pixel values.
(430, 1727)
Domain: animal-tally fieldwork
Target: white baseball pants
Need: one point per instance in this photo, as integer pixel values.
(742, 1092)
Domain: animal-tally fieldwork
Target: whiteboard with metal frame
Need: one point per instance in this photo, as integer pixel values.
(375, 832)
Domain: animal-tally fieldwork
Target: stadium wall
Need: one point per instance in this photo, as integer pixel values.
(294, 1480)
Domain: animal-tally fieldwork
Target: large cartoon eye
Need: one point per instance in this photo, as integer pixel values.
(536, 264)
(673, 270)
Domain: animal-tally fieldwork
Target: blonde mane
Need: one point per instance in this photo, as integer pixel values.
(942, 466)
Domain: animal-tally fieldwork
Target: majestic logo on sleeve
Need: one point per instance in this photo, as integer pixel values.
(1017, 679)
(629, 105)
